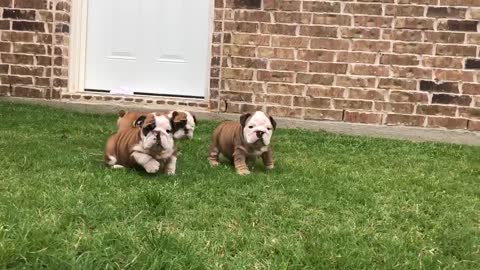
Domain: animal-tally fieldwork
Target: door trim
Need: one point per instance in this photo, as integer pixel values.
(78, 46)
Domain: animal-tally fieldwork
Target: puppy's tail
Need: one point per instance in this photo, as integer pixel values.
(121, 113)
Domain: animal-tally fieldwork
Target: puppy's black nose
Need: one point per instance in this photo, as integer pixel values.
(259, 133)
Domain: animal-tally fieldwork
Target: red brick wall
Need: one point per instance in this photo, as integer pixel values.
(390, 62)
(34, 37)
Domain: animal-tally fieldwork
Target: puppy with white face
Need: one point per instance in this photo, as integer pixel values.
(148, 145)
(244, 140)
(184, 122)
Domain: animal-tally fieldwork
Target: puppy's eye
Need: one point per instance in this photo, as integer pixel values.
(169, 131)
(250, 127)
(269, 128)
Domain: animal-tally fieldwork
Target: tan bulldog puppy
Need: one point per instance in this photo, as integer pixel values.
(148, 145)
(183, 123)
(244, 140)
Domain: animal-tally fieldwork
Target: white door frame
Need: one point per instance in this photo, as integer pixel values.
(78, 46)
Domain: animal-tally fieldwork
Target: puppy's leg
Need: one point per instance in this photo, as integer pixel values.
(171, 165)
(213, 155)
(239, 159)
(267, 158)
(149, 163)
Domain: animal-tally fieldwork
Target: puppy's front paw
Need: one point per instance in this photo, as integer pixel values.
(213, 163)
(243, 172)
(152, 166)
(269, 167)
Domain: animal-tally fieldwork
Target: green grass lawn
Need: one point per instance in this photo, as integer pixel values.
(333, 202)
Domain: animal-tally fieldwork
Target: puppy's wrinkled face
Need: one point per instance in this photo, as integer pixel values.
(257, 127)
(157, 132)
(183, 124)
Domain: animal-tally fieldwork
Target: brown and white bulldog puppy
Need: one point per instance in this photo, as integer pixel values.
(244, 140)
(148, 145)
(184, 122)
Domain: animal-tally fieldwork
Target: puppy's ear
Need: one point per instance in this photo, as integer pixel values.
(194, 119)
(172, 121)
(274, 123)
(148, 128)
(139, 121)
(121, 113)
(244, 118)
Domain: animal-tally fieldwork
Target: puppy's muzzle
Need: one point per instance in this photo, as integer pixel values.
(259, 133)
(158, 138)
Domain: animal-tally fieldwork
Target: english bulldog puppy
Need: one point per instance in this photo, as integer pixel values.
(149, 145)
(244, 140)
(183, 123)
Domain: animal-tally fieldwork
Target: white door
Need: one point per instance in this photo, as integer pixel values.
(149, 46)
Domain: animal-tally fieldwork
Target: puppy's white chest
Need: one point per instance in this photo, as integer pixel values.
(262, 150)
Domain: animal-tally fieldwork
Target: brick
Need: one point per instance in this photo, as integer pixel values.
(317, 79)
(451, 99)
(28, 26)
(328, 68)
(446, 122)
(363, 118)
(332, 19)
(405, 35)
(414, 23)
(239, 51)
(240, 74)
(28, 92)
(454, 25)
(291, 42)
(292, 17)
(473, 125)
(356, 57)
(18, 36)
(59, 17)
(27, 70)
(4, 69)
(62, 28)
(444, 37)
(57, 82)
(318, 31)
(436, 110)
(418, 2)
(321, 6)
(288, 65)
(37, 4)
(349, 81)
(403, 60)
(405, 120)
(442, 62)
(244, 86)
(5, 46)
(44, 38)
(16, 80)
(276, 53)
(279, 100)
(5, 3)
(236, 96)
(315, 55)
(379, 1)
(370, 70)
(373, 21)
(471, 89)
(413, 48)
(453, 75)
(250, 4)
(275, 76)
(29, 48)
(412, 72)
(361, 8)
(446, 12)
(247, 27)
(469, 113)
(311, 102)
(413, 97)
(4, 25)
(456, 50)
(279, 29)
(363, 33)
(404, 11)
(361, 93)
(473, 39)
(371, 46)
(42, 82)
(353, 104)
(335, 92)
(314, 114)
(5, 91)
(248, 63)
(281, 111)
(16, 59)
(444, 87)
(285, 89)
(399, 108)
(249, 15)
(391, 83)
(329, 44)
(19, 14)
(472, 64)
